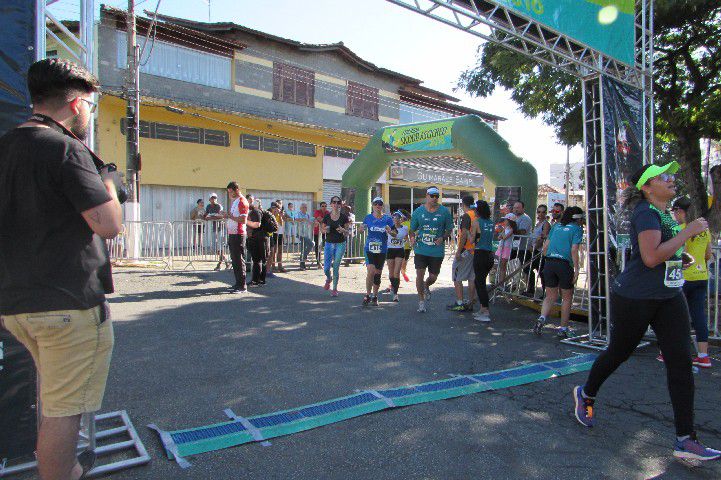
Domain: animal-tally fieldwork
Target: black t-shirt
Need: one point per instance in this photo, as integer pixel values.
(333, 236)
(50, 259)
(255, 215)
(637, 281)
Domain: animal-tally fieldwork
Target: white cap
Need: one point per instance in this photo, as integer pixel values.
(377, 199)
(433, 191)
(510, 216)
(213, 195)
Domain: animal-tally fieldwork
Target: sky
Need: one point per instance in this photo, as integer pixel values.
(388, 36)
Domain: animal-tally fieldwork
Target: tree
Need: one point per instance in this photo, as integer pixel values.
(687, 88)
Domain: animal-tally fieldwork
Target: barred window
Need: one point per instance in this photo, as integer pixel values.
(340, 152)
(362, 101)
(180, 133)
(277, 145)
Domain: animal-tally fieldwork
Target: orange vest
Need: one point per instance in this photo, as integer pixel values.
(470, 245)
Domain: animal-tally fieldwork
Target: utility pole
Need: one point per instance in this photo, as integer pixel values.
(568, 172)
(132, 129)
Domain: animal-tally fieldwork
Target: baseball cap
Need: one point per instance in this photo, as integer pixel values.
(647, 172)
(212, 195)
(433, 191)
(398, 213)
(377, 200)
(510, 216)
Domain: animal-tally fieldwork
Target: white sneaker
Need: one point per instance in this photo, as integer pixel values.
(427, 293)
(481, 317)
(395, 298)
(421, 307)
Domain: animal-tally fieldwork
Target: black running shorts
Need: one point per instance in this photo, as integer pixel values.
(433, 264)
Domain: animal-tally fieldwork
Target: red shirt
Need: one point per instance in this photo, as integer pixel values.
(238, 207)
(318, 215)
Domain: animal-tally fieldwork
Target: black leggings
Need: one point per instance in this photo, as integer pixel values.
(670, 321)
(482, 264)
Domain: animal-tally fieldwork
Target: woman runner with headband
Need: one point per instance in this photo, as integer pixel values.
(394, 257)
(648, 293)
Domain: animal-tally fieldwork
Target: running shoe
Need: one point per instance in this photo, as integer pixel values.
(374, 301)
(481, 317)
(334, 293)
(538, 327)
(584, 407)
(366, 300)
(386, 291)
(405, 277)
(565, 332)
(421, 306)
(455, 307)
(395, 298)
(692, 449)
(703, 362)
(327, 284)
(427, 293)
(253, 283)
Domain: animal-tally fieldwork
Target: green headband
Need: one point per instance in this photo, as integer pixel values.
(655, 171)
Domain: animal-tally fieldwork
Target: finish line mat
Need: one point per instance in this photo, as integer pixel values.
(239, 430)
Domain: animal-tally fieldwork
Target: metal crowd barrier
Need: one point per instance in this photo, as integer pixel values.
(200, 241)
(523, 274)
(144, 241)
(712, 305)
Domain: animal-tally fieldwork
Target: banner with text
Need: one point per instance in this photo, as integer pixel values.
(418, 138)
(622, 121)
(604, 25)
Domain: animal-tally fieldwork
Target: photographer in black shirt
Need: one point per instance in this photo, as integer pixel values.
(55, 211)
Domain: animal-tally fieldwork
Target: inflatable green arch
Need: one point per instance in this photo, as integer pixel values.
(466, 136)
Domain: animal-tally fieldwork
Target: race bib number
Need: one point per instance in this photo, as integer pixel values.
(673, 276)
(374, 247)
(396, 242)
(428, 239)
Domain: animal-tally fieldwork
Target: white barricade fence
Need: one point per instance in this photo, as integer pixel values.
(297, 243)
(153, 242)
(355, 243)
(200, 241)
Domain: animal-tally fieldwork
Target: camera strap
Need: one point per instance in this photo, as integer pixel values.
(59, 127)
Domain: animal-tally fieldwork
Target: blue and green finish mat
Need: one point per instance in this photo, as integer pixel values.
(192, 441)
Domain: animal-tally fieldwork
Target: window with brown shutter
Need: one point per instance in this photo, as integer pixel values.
(293, 84)
(362, 101)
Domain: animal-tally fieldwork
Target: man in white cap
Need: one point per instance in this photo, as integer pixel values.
(431, 224)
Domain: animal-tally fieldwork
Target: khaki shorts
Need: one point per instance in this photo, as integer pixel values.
(462, 269)
(72, 350)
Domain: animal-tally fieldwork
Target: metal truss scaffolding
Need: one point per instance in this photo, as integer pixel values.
(493, 21)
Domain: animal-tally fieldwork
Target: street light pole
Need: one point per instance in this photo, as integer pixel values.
(132, 130)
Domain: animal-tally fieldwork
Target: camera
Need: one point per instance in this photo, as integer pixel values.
(120, 188)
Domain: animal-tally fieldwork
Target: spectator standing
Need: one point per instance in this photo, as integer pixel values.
(258, 242)
(557, 212)
(538, 236)
(318, 215)
(304, 227)
(197, 215)
(524, 225)
(290, 226)
(214, 214)
(276, 245)
(55, 211)
(505, 237)
(235, 222)
(462, 269)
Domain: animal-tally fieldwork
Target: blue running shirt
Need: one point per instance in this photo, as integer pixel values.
(485, 238)
(430, 226)
(560, 240)
(377, 237)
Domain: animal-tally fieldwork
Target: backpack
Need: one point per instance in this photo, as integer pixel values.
(268, 224)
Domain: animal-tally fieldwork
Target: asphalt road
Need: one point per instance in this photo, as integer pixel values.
(186, 350)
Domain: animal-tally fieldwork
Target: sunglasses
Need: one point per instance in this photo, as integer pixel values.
(666, 177)
(435, 195)
(91, 105)
(378, 204)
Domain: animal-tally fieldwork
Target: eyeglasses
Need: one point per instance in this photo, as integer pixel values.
(435, 195)
(666, 177)
(92, 106)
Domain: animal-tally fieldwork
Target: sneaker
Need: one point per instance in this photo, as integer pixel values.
(538, 327)
(302, 265)
(253, 283)
(327, 284)
(386, 291)
(405, 277)
(456, 308)
(237, 290)
(584, 407)
(421, 306)
(374, 301)
(481, 317)
(565, 332)
(334, 293)
(703, 362)
(366, 300)
(660, 357)
(395, 298)
(691, 449)
(427, 293)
